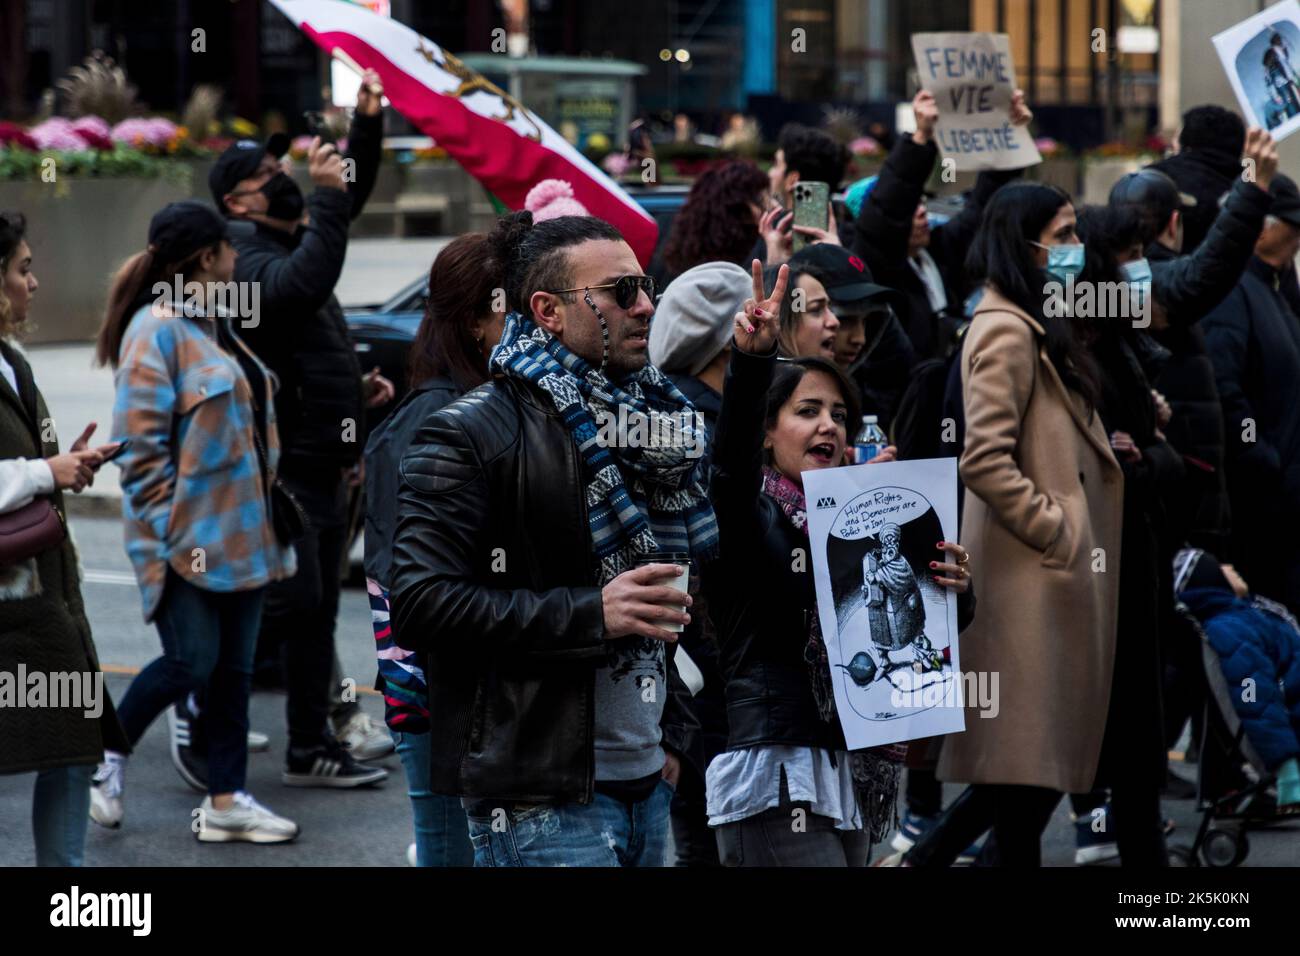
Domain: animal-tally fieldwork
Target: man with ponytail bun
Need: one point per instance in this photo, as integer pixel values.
(546, 525)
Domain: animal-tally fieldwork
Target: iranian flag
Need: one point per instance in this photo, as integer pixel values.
(500, 143)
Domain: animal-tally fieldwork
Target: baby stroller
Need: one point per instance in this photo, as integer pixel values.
(1231, 776)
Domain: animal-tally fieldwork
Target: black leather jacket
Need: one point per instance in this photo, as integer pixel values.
(762, 607)
(495, 582)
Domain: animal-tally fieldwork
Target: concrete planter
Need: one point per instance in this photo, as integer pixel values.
(1099, 175)
(80, 231)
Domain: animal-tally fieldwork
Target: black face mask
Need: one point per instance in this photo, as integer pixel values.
(284, 198)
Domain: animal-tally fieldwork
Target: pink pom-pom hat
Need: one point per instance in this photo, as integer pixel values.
(552, 198)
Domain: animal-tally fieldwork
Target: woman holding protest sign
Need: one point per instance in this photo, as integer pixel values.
(786, 752)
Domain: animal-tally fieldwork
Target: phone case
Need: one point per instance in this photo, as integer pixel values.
(811, 208)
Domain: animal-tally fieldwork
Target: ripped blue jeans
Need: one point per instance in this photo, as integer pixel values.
(605, 832)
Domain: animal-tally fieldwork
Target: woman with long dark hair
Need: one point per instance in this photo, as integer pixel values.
(1042, 517)
(43, 626)
(786, 751)
(719, 221)
(462, 323)
(196, 406)
(1133, 755)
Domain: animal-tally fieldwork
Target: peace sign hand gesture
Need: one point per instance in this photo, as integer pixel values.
(757, 325)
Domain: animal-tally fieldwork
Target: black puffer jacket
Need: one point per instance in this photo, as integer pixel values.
(300, 332)
(495, 582)
(761, 607)
(1254, 341)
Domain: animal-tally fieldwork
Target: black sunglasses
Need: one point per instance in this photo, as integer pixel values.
(625, 289)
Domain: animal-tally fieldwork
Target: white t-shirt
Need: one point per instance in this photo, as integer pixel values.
(21, 479)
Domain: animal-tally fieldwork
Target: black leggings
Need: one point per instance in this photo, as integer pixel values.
(1017, 814)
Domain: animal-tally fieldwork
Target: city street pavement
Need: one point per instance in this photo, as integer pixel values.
(369, 827)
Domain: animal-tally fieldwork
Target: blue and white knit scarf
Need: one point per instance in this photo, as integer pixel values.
(642, 495)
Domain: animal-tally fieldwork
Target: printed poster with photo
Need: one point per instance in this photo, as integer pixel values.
(1261, 56)
(890, 630)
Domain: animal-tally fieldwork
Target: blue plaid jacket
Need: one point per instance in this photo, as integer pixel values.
(194, 495)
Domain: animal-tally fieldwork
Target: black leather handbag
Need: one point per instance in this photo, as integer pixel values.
(288, 519)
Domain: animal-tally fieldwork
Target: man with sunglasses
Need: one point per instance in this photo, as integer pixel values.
(542, 525)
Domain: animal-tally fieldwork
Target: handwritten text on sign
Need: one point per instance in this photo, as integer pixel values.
(972, 78)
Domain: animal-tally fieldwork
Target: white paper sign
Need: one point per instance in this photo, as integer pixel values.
(972, 78)
(1261, 56)
(890, 630)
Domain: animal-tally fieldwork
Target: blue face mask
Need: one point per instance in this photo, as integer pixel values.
(1137, 272)
(1138, 276)
(1064, 262)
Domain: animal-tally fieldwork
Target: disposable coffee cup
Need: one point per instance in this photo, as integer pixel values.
(681, 582)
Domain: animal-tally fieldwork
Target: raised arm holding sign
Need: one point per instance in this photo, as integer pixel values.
(982, 120)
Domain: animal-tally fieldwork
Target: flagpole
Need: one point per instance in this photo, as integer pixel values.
(342, 56)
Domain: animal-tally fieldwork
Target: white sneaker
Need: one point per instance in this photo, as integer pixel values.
(247, 821)
(410, 856)
(106, 792)
(364, 738)
(258, 742)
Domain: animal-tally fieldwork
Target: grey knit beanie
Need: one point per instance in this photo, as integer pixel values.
(694, 319)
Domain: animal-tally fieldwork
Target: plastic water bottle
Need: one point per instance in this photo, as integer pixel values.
(870, 441)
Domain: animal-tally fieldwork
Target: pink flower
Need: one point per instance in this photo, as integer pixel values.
(616, 164)
(865, 146)
(151, 131)
(57, 133)
(93, 125)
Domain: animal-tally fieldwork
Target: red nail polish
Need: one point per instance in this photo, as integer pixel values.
(939, 545)
(934, 564)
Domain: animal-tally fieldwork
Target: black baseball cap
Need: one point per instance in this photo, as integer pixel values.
(846, 277)
(1286, 200)
(1153, 191)
(240, 161)
(180, 229)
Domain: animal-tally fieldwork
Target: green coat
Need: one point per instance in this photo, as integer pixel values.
(43, 626)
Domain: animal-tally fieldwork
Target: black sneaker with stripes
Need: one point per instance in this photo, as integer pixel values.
(329, 767)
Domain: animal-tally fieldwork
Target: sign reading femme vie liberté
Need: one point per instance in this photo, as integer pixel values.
(973, 78)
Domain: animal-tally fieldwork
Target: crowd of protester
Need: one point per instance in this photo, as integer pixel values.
(586, 644)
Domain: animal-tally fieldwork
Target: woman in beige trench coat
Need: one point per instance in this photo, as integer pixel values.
(1042, 520)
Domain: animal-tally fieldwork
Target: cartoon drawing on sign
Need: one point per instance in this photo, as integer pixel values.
(892, 621)
(895, 610)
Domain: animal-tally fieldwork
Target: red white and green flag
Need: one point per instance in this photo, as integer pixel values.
(496, 139)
